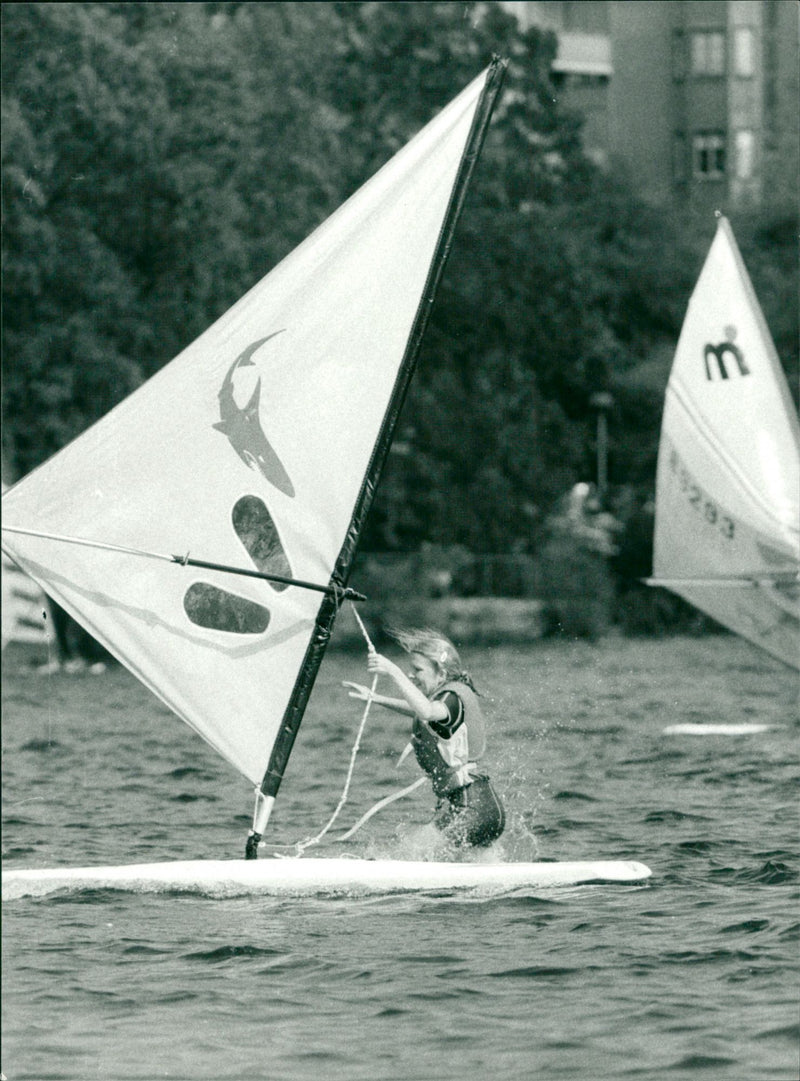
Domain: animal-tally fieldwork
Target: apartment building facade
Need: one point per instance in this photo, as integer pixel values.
(696, 100)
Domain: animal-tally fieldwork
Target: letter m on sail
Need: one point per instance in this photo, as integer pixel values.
(719, 353)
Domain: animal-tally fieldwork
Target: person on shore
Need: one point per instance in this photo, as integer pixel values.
(75, 650)
(447, 735)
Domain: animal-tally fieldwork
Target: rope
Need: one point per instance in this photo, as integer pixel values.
(301, 846)
(381, 803)
(367, 638)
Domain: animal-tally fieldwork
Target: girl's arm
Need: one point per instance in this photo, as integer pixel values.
(420, 705)
(364, 694)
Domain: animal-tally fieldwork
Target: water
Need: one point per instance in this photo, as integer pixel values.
(691, 975)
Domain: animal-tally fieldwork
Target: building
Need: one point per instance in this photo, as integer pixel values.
(696, 100)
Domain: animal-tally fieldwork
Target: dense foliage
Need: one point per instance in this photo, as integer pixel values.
(158, 159)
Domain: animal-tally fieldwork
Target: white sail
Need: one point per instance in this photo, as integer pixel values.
(249, 449)
(727, 532)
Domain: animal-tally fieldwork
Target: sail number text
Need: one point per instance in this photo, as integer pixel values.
(702, 503)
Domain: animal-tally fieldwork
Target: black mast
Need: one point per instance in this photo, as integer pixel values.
(329, 608)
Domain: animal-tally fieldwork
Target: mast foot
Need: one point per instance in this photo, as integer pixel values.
(251, 848)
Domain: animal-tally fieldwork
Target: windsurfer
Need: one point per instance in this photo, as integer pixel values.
(448, 733)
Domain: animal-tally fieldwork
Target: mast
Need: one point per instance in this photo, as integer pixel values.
(326, 617)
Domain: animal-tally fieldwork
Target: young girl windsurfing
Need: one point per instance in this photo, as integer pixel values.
(447, 735)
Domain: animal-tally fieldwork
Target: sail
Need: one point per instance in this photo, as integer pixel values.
(257, 447)
(727, 532)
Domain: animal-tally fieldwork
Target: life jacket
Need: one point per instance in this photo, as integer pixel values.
(451, 763)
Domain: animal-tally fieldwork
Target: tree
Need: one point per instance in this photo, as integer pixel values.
(159, 159)
(70, 328)
(136, 144)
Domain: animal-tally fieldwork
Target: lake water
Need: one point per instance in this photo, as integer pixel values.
(693, 974)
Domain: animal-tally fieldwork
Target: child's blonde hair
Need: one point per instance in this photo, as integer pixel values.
(436, 647)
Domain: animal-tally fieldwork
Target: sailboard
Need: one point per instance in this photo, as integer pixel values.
(727, 515)
(711, 729)
(318, 877)
(204, 530)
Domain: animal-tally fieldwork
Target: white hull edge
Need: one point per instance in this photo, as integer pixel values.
(714, 729)
(298, 877)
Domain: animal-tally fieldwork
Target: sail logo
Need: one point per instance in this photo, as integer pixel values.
(719, 353)
(207, 605)
(242, 425)
(216, 609)
(701, 503)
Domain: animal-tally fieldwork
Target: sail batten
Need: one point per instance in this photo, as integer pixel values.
(727, 529)
(262, 441)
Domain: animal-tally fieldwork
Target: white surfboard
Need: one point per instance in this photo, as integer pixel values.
(306, 877)
(714, 729)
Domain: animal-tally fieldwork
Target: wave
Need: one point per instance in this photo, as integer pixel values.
(42, 746)
(228, 953)
(673, 816)
(701, 1062)
(748, 927)
(770, 873)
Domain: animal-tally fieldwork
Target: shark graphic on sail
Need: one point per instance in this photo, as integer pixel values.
(727, 529)
(243, 428)
(258, 447)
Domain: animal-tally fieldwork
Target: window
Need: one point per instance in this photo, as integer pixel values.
(745, 145)
(744, 52)
(708, 156)
(708, 52)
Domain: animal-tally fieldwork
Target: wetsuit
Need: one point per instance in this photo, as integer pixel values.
(468, 811)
